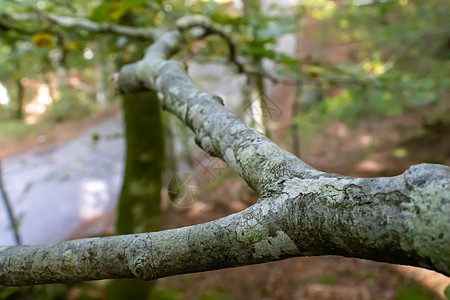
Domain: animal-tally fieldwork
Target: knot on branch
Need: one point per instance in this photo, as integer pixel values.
(140, 258)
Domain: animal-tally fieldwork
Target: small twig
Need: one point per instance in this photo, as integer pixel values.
(182, 24)
(8, 27)
(204, 22)
(147, 33)
(12, 219)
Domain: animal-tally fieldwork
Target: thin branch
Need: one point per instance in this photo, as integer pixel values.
(210, 27)
(7, 27)
(183, 24)
(204, 22)
(147, 33)
(12, 219)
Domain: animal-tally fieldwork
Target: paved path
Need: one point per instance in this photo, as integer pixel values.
(55, 190)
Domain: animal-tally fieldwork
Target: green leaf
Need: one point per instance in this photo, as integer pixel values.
(113, 11)
(226, 19)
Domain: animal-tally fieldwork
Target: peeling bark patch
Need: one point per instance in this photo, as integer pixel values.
(333, 191)
(276, 246)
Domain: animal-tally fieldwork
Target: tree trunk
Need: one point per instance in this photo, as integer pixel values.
(19, 100)
(139, 204)
(256, 106)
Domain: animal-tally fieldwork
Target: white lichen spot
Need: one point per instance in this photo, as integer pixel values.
(275, 246)
(297, 186)
(174, 91)
(193, 94)
(225, 222)
(229, 158)
(321, 185)
(265, 208)
(252, 222)
(246, 153)
(158, 83)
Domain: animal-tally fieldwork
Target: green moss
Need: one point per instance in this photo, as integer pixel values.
(251, 233)
(331, 195)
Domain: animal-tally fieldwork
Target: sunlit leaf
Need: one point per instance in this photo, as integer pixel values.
(42, 39)
(400, 152)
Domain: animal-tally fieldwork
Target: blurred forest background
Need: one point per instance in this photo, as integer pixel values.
(359, 88)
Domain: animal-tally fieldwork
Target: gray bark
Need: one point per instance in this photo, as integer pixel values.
(301, 211)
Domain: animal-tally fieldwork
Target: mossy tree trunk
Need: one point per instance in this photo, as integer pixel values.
(139, 203)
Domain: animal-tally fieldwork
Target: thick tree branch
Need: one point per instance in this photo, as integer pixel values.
(302, 211)
(402, 219)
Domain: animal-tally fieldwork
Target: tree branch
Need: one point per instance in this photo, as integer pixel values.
(301, 212)
(398, 220)
(146, 33)
(210, 27)
(183, 24)
(9, 210)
